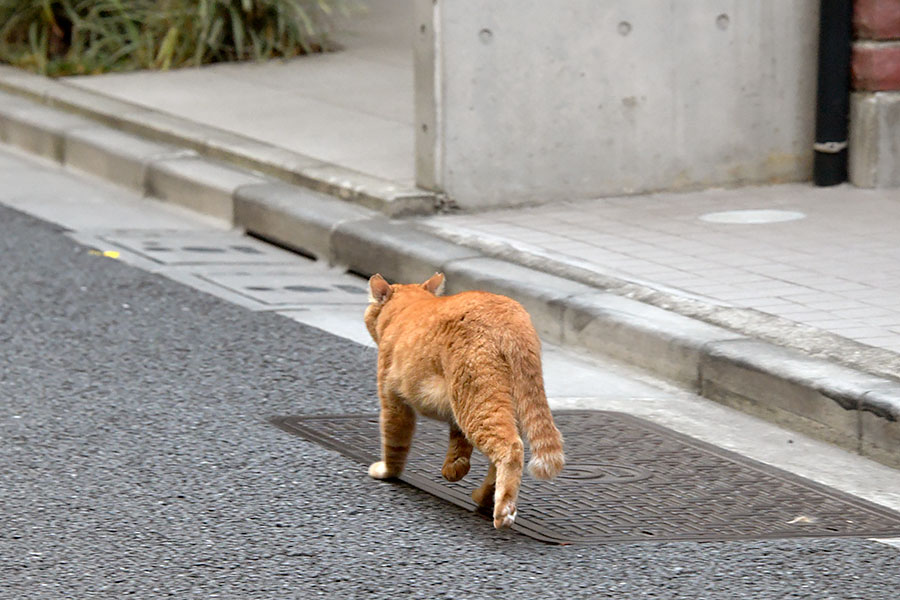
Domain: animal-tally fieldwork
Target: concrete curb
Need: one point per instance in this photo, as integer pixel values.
(846, 406)
(378, 194)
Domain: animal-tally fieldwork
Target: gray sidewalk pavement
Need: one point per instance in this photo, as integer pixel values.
(824, 258)
(686, 284)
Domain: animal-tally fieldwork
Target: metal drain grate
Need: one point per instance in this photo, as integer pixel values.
(286, 286)
(628, 480)
(197, 247)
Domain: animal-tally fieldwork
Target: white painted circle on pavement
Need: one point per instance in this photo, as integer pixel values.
(752, 217)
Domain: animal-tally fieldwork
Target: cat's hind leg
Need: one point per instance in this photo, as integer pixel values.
(456, 464)
(509, 477)
(398, 422)
(498, 438)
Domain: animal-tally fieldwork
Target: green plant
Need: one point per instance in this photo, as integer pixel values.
(58, 37)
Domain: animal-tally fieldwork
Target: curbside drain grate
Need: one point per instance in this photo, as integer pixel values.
(197, 247)
(627, 480)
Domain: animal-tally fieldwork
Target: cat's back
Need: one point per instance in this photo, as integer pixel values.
(485, 315)
(459, 335)
(463, 317)
(479, 305)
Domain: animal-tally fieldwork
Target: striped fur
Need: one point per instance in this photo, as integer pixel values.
(473, 360)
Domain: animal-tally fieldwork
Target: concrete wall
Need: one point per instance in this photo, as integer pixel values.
(874, 158)
(521, 101)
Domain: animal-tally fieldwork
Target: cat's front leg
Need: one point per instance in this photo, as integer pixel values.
(456, 464)
(398, 422)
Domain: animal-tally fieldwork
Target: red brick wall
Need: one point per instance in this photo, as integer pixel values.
(877, 19)
(876, 51)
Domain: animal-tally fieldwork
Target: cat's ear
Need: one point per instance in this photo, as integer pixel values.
(435, 284)
(379, 289)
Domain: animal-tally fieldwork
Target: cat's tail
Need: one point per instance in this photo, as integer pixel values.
(533, 412)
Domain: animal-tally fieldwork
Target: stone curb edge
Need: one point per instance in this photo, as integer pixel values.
(856, 410)
(378, 194)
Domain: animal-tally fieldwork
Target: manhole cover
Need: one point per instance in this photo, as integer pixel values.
(752, 216)
(628, 480)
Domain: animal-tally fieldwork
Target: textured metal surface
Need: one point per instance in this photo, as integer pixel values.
(628, 480)
(281, 286)
(197, 247)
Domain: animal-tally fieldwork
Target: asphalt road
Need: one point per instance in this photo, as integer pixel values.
(136, 460)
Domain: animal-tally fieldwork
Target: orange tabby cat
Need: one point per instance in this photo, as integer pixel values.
(472, 360)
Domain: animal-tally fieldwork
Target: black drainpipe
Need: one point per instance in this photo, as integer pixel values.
(833, 91)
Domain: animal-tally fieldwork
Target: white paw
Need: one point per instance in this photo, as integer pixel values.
(505, 518)
(508, 520)
(378, 470)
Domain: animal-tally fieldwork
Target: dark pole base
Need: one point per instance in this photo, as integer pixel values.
(830, 168)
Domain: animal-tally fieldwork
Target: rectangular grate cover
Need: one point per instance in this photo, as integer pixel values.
(290, 285)
(197, 247)
(627, 480)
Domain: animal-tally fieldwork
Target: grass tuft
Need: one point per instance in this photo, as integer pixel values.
(71, 37)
